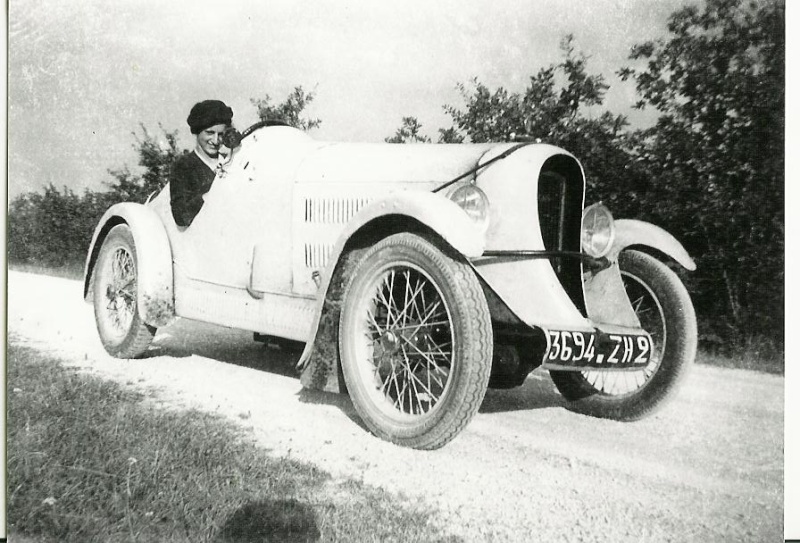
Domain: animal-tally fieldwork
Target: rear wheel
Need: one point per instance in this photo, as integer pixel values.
(666, 312)
(415, 340)
(116, 312)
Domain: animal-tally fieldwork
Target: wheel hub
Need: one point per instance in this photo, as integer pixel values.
(389, 343)
(392, 340)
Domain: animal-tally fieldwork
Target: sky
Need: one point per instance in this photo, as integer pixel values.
(83, 76)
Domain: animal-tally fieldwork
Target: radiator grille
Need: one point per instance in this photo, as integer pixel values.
(560, 208)
(552, 210)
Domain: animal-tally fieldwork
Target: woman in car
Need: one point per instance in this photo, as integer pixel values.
(193, 173)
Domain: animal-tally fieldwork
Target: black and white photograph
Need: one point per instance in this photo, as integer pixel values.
(351, 270)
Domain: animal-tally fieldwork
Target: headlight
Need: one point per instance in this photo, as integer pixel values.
(474, 203)
(597, 230)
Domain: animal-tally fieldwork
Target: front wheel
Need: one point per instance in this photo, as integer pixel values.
(116, 312)
(665, 311)
(415, 339)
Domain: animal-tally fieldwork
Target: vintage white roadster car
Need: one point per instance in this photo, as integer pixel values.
(417, 275)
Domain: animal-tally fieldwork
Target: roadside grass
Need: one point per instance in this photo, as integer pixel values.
(753, 354)
(72, 270)
(88, 461)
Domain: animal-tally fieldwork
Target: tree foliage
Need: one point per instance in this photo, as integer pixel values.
(289, 111)
(552, 107)
(716, 152)
(409, 132)
(53, 228)
(156, 155)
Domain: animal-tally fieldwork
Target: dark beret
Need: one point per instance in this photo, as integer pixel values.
(208, 113)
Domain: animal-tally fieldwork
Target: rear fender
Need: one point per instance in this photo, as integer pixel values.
(430, 210)
(156, 299)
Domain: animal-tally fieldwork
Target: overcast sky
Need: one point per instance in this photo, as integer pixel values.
(83, 75)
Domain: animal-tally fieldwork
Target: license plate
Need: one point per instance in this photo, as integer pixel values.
(589, 350)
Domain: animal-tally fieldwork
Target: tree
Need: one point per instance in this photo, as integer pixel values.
(156, 156)
(450, 135)
(53, 228)
(409, 132)
(551, 108)
(716, 152)
(288, 111)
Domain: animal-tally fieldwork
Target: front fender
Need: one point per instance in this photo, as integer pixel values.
(434, 211)
(156, 301)
(632, 232)
(606, 299)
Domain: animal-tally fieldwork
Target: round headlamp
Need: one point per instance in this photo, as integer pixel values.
(597, 230)
(474, 203)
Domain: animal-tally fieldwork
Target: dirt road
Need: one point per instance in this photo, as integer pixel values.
(709, 467)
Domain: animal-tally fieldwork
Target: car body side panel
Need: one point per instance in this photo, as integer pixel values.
(272, 314)
(211, 294)
(153, 255)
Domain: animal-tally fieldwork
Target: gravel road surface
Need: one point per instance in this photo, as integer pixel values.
(709, 467)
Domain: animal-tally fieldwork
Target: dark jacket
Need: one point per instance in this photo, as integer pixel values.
(189, 180)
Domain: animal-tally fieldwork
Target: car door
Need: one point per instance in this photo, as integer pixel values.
(241, 237)
(213, 249)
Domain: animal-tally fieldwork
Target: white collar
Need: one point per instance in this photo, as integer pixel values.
(212, 163)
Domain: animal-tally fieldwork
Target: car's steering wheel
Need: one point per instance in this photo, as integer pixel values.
(231, 138)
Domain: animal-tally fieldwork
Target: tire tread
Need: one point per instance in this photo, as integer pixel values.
(476, 361)
(140, 334)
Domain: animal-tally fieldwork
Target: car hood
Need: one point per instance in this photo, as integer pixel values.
(389, 163)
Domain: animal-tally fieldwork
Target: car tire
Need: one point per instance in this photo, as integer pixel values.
(666, 312)
(122, 331)
(415, 340)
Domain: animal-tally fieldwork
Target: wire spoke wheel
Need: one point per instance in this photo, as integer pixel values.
(650, 313)
(415, 342)
(665, 312)
(408, 340)
(120, 299)
(121, 329)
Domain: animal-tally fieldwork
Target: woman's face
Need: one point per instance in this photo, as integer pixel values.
(210, 139)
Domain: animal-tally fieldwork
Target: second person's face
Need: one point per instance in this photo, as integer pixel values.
(210, 140)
